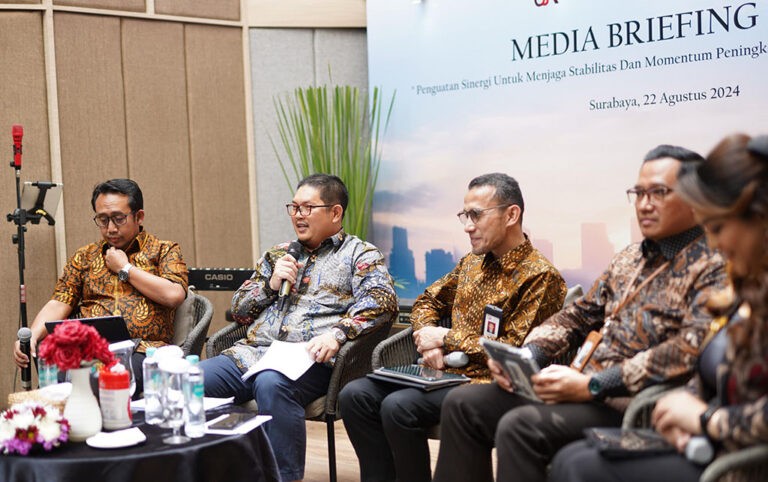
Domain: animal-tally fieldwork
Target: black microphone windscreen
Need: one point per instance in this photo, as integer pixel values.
(294, 249)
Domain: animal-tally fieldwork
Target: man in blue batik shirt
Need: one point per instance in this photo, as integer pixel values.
(341, 290)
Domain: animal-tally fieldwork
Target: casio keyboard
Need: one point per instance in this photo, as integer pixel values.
(218, 279)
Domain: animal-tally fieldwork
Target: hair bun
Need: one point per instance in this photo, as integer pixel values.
(758, 145)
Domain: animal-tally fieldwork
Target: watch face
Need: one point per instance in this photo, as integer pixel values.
(122, 275)
(594, 386)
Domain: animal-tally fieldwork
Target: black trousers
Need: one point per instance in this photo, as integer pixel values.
(526, 434)
(388, 426)
(579, 462)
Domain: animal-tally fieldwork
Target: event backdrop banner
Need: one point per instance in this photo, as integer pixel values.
(566, 96)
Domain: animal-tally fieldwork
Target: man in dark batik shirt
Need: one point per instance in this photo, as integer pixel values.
(648, 317)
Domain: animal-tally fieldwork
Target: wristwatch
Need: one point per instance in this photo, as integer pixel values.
(122, 275)
(595, 388)
(339, 336)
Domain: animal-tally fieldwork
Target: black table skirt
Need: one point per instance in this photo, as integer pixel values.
(212, 458)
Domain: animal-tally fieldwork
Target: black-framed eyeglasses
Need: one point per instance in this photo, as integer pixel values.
(102, 220)
(655, 195)
(475, 214)
(304, 209)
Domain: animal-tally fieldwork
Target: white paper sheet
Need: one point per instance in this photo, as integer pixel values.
(290, 359)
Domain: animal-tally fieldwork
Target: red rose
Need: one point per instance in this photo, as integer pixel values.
(73, 343)
(68, 357)
(72, 332)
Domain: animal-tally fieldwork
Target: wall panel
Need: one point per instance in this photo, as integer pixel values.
(22, 101)
(125, 5)
(91, 115)
(281, 59)
(218, 147)
(157, 127)
(221, 9)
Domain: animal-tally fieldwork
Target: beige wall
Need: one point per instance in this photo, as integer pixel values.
(162, 102)
(161, 91)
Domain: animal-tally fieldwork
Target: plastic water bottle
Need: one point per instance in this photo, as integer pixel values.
(194, 421)
(153, 408)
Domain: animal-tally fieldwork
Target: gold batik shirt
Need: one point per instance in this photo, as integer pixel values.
(88, 286)
(523, 283)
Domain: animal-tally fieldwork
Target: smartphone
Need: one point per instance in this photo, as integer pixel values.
(231, 421)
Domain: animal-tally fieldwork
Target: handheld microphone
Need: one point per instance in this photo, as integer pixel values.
(17, 132)
(699, 451)
(294, 249)
(25, 335)
(454, 359)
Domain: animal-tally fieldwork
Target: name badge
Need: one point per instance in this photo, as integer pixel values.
(492, 322)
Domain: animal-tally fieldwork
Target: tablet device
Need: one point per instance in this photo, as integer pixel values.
(517, 363)
(617, 443)
(31, 198)
(112, 328)
(418, 375)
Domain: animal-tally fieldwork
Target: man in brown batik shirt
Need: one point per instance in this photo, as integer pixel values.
(388, 423)
(129, 272)
(647, 314)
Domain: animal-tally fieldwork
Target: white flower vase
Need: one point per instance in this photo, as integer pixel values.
(82, 409)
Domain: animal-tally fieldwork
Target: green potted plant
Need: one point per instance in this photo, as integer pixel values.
(334, 130)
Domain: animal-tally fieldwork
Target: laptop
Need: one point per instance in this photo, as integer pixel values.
(112, 328)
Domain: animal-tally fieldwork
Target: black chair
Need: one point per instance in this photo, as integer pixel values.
(399, 349)
(747, 464)
(352, 361)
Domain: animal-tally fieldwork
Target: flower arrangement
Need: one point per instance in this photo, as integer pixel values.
(28, 423)
(74, 345)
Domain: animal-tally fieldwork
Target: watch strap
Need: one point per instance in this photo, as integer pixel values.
(339, 335)
(704, 421)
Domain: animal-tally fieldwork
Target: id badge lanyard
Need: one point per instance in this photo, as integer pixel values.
(593, 339)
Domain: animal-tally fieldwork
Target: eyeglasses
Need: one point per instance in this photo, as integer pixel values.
(475, 214)
(655, 194)
(102, 220)
(304, 209)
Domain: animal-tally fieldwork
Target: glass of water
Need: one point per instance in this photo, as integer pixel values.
(47, 373)
(174, 372)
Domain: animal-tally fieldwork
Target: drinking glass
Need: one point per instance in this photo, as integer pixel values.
(174, 372)
(47, 373)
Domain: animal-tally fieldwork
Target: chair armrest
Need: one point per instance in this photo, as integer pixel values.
(638, 413)
(752, 460)
(224, 338)
(353, 361)
(195, 340)
(398, 349)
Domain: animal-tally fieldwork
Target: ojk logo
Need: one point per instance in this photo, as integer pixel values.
(542, 3)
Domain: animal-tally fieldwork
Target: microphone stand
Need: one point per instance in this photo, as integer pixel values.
(20, 217)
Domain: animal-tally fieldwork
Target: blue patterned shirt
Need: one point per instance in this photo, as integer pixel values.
(344, 284)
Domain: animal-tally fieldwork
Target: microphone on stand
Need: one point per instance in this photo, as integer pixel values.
(17, 132)
(294, 249)
(25, 335)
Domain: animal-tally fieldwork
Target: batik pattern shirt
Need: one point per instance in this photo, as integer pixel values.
(742, 386)
(88, 282)
(523, 283)
(656, 336)
(344, 284)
